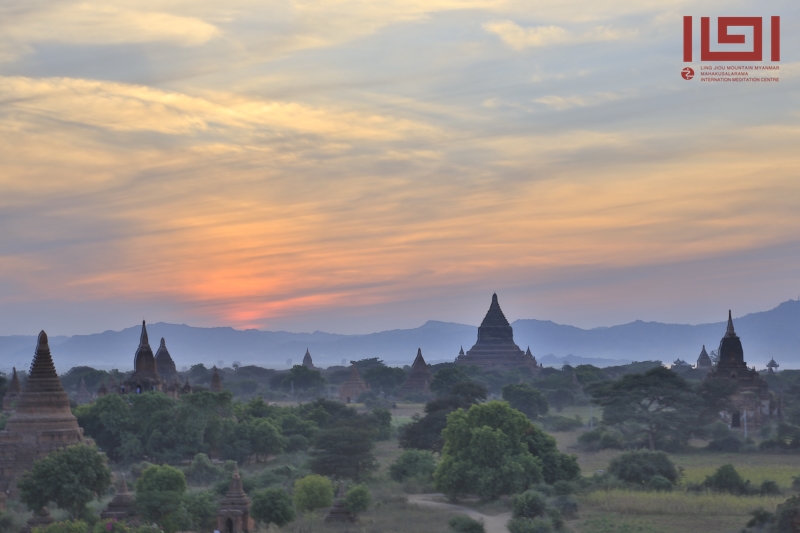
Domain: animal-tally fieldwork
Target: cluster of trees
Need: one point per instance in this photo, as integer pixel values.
(154, 427)
(657, 409)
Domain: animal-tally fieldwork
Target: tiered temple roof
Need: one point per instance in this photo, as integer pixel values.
(353, 387)
(495, 347)
(41, 423)
(165, 366)
(13, 392)
(339, 511)
(145, 376)
(233, 513)
(419, 379)
(83, 396)
(122, 506)
(307, 362)
(753, 396)
(703, 360)
(216, 381)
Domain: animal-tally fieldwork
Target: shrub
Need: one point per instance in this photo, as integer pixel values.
(68, 526)
(566, 505)
(529, 504)
(563, 488)
(727, 444)
(642, 465)
(727, 479)
(659, 484)
(7, 523)
(419, 464)
(272, 506)
(464, 524)
(562, 423)
(312, 492)
(202, 471)
(769, 487)
(786, 515)
(528, 525)
(611, 441)
(357, 499)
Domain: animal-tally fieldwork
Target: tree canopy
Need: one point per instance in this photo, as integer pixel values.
(70, 478)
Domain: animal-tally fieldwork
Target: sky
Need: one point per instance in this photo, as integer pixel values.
(353, 166)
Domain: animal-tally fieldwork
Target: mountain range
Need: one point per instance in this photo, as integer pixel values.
(774, 333)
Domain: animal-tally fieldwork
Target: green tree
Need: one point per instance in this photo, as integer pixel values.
(70, 478)
(201, 509)
(384, 378)
(640, 466)
(266, 438)
(417, 464)
(357, 499)
(425, 433)
(727, 479)
(446, 378)
(312, 492)
(272, 506)
(159, 496)
(344, 451)
(486, 453)
(526, 399)
(304, 379)
(658, 406)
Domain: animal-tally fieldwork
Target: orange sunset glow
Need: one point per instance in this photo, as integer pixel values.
(351, 167)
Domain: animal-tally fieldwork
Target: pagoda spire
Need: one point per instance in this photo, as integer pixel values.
(730, 331)
(143, 340)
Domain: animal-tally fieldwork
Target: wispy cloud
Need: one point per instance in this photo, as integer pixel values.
(519, 38)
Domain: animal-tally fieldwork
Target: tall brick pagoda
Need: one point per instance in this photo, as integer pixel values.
(41, 423)
(307, 362)
(353, 387)
(145, 376)
(753, 397)
(419, 379)
(233, 514)
(216, 381)
(495, 347)
(165, 366)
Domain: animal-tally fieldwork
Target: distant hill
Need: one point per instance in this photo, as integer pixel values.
(774, 333)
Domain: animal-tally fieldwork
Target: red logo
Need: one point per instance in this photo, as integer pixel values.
(687, 73)
(723, 37)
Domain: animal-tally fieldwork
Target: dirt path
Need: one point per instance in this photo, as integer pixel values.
(494, 524)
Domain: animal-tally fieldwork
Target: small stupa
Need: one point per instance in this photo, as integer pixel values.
(13, 392)
(102, 390)
(187, 389)
(40, 518)
(339, 511)
(772, 366)
(353, 387)
(233, 513)
(307, 362)
(42, 421)
(419, 379)
(704, 361)
(216, 381)
(83, 396)
(122, 506)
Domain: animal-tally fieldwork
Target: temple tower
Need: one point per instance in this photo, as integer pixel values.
(216, 381)
(122, 506)
(495, 347)
(753, 397)
(13, 392)
(165, 366)
(338, 511)
(83, 396)
(233, 514)
(145, 377)
(41, 423)
(353, 387)
(307, 362)
(704, 361)
(419, 379)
